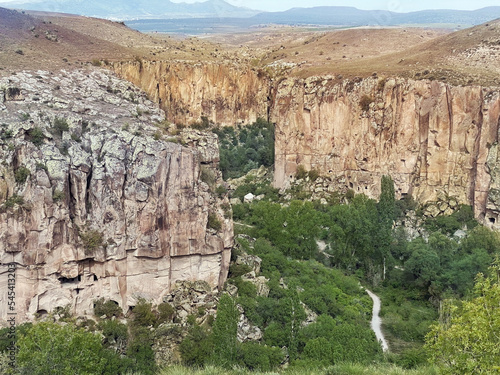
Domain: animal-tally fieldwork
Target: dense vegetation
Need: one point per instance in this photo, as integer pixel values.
(245, 148)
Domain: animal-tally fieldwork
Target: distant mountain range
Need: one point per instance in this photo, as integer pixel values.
(136, 9)
(215, 10)
(349, 16)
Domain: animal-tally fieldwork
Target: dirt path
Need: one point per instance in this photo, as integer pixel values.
(376, 322)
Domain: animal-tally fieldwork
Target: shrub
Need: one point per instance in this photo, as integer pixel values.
(143, 313)
(236, 270)
(36, 136)
(196, 348)
(114, 331)
(60, 125)
(108, 308)
(92, 240)
(214, 222)
(13, 200)
(207, 175)
(260, 357)
(220, 191)
(49, 348)
(313, 174)
(58, 195)
(21, 174)
(365, 102)
(165, 312)
(301, 172)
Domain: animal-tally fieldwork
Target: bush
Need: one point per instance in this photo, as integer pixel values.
(36, 136)
(259, 357)
(92, 240)
(214, 222)
(13, 200)
(49, 348)
(108, 308)
(60, 125)
(236, 270)
(165, 312)
(365, 102)
(301, 172)
(207, 175)
(58, 195)
(143, 314)
(114, 332)
(196, 348)
(21, 174)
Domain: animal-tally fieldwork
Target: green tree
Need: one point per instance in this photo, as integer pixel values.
(387, 202)
(224, 332)
(467, 338)
(423, 266)
(50, 348)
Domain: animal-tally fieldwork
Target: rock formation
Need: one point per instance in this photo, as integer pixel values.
(226, 94)
(437, 141)
(96, 201)
(432, 138)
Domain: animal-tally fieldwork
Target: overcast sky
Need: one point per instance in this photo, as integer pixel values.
(392, 5)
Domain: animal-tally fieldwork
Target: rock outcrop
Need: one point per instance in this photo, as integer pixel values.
(95, 201)
(435, 140)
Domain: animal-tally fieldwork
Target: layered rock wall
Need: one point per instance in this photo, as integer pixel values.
(226, 94)
(93, 205)
(432, 138)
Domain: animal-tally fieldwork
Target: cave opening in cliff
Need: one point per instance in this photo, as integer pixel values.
(492, 220)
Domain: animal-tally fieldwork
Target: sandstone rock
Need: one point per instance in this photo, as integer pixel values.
(248, 198)
(246, 330)
(226, 94)
(107, 211)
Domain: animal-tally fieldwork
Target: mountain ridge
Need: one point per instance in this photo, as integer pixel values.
(119, 10)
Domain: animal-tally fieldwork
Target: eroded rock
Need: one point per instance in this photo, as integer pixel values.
(91, 205)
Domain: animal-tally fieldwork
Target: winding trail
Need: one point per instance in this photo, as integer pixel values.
(376, 322)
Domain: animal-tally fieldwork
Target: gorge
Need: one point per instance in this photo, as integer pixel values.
(437, 141)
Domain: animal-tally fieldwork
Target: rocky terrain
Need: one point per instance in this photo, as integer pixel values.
(97, 200)
(101, 197)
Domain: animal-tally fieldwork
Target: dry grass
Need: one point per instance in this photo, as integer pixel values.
(469, 56)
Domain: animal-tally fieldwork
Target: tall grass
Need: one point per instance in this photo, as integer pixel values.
(340, 369)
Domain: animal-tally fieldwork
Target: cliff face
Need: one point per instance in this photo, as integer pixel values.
(432, 138)
(91, 205)
(226, 94)
(437, 141)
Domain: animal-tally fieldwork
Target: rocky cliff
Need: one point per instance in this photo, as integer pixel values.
(434, 139)
(226, 94)
(96, 201)
(437, 141)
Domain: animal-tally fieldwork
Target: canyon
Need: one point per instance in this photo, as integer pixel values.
(438, 141)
